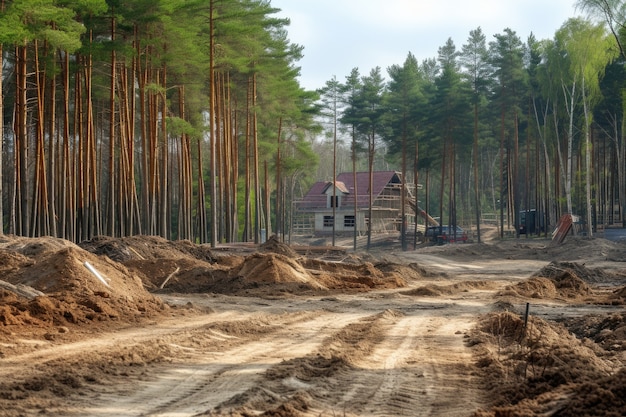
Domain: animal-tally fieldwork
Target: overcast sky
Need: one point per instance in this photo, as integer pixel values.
(339, 35)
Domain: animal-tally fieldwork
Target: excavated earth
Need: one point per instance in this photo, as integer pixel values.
(142, 326)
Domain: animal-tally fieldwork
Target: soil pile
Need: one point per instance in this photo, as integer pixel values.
(359, 276)
(563, 271)
(571, 250)
(273, 274)
(609, 332)
(541, 369)
(149, 248)
(559, 280)
(274, 245)
(77, 286)
(433, 290)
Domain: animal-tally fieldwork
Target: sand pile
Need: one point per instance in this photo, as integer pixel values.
(268, 273)
(274, 245)
(146, 248)
(433, 290)
(608, 331)
(77, 286)
(359, 276)
(558, 280)
(541, 369)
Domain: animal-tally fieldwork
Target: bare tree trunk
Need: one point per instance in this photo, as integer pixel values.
(21, 144)
(370, 157)
(213, 137)
(40, 219)
(79, 157)
(201, 198)
(588, 150)
(356, 192)
(164, 203)
(255, 172)
(477, 207)
(142, 79)
(92, 190)
(501, 204)
(65, 224)
(280, 215)
(403, 224)
(248, 182)
(52, 176)
(1, 132)
(111, 205)
(221, 163)
(184, 175)
(268, 223)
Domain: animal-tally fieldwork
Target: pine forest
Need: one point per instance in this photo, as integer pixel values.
(185, 119)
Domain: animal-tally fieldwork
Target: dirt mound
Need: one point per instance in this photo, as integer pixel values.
(182, 275)
(618, 297)
(609, 332)
(540, 368)
(146, 248)
(572, 249)
(269, 274)
(433, 290)
(274, 245)
(358, 276)
(267, 269)
(559, 271)
(78, 287)
(536, 287)
(559, 280)
(400, 272)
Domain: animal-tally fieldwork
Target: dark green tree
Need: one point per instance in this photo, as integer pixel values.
(405, 106)
(475, 61)
(507, 53)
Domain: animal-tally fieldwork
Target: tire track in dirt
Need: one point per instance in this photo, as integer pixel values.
(415, 370)
(209, 376)
(388, 363)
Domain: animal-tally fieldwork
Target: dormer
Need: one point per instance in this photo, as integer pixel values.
(337, 192)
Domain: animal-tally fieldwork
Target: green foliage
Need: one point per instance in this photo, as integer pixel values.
(44, 20)
(511, 90)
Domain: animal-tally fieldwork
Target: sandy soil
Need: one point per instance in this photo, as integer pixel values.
(145, 327)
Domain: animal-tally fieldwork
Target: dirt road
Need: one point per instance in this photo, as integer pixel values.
(386, 352)
(380, 353)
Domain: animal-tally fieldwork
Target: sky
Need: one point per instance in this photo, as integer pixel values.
(339, 35)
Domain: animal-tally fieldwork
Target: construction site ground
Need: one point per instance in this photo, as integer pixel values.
(142, 326)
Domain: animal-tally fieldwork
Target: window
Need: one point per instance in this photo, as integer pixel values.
(329, 221)
(333, 201)
(348, 221)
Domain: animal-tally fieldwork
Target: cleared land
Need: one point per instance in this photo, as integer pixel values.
(176, 329)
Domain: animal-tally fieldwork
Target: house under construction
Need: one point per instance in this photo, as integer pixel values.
(349, 201)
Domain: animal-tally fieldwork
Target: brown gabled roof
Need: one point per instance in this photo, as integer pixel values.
(316, 197)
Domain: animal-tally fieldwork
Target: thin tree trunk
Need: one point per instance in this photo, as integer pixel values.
(1, 132)
(164, 203)
(111, 205)
(248, 182)
(371, 187)
(280, 215)
(588, 150)
(93, 190)
(255, 172)
(476, 191)
(21, 145)
(415, 181)
(213, 138)
(356, 192)
(52, 176)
